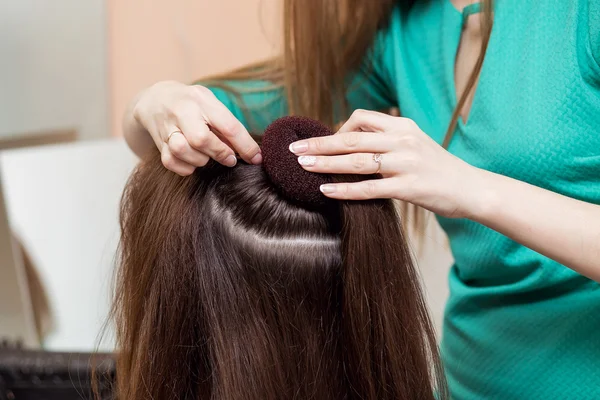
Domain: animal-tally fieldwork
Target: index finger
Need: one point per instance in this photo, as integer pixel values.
(221, 119)
(364, 190)
(343, 143)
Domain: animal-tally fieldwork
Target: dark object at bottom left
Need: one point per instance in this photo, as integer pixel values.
(43, 375)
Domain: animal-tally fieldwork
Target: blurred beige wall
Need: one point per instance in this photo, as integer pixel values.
(154, 40)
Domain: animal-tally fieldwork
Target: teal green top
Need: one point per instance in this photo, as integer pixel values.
(517, 324)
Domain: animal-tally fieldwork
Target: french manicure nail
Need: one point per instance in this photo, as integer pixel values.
(257, 159)
(307, 161)
(298, 147)
(327, 188)
(230, 161)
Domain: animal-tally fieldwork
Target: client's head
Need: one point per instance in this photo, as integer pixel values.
(233, 284)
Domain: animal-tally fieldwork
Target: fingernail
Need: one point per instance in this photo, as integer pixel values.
(327, 188)
(298, 147)
(257, 159)
(307, 161)
(230, 161)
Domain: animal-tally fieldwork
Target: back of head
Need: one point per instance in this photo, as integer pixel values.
(228, 289)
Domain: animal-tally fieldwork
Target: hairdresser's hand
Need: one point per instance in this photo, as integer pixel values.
(414, 168)
(189, 126)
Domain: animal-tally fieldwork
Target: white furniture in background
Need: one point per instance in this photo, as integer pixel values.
(63, 203)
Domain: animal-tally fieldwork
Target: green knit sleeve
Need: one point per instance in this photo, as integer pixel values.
(372, 86)
(255, 103)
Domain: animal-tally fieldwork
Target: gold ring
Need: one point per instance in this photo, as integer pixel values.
(377, 158)
(172, 133)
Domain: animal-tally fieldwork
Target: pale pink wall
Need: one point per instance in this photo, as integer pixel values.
(153, 40)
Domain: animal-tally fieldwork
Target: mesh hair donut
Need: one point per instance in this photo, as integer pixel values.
(281, 165)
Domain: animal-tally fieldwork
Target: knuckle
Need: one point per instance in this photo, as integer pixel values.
(199, 93)
(222, 153)
(181, 111)
(185, 171)
(351, 139)
(198, 140)
(168, 161)
(231, 127)
(317, 145)
(248, 151)
(358, 162)
(370, 188)
(344, 190)
(177, 147)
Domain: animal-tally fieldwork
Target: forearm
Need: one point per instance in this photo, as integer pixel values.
(136, 136)
(564, 229)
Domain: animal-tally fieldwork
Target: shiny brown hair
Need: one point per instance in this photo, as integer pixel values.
(226, 290)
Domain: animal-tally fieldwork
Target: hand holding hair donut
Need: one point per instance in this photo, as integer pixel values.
(414, 167)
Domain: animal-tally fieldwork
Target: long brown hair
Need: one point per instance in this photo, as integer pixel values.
(226, 290)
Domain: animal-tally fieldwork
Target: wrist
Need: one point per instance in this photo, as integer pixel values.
(134, 106)
(483, 200)
(135, 134)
